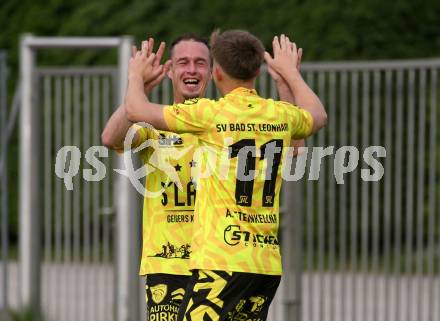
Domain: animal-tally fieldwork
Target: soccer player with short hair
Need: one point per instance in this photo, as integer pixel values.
(236, 256)
(168, 217)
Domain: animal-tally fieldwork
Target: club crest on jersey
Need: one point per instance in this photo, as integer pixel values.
(158, 292)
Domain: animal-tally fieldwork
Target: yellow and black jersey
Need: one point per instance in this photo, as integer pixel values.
(168, 211)
(242, 139)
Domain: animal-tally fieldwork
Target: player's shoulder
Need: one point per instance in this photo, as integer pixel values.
(284, 104)
(192, 105)
(287, 107)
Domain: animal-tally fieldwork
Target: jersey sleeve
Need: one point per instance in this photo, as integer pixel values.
(192, 116)
(142, 134)
(300, 120)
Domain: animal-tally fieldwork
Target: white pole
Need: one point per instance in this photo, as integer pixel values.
(292, 252)
(73, 42)
(3, 184)
(127, 213)
(29, 185)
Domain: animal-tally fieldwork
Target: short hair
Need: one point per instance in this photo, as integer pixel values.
(238, 52)
(189, 36)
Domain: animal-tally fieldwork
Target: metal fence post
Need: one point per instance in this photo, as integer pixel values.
(30, 211)
(127, 212)
(292, 251)
(3, 182)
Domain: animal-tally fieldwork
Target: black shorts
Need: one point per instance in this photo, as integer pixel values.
(164, 294)
(228, 296)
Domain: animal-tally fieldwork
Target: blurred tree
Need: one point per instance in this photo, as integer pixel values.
(327, 30)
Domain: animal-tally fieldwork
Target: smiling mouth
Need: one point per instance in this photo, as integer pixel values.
(191, 82)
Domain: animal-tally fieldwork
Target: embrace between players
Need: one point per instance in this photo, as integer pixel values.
(217, 257)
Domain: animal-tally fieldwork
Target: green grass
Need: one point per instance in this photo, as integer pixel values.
(21, 315)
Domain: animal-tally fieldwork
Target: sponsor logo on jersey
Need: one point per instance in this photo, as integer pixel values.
(171, 251)
(233, 235)
(171, 140)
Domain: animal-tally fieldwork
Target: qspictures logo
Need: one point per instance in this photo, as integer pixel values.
(346, 159)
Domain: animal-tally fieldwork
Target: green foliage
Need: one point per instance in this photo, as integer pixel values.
(327, 30)
(24, 315)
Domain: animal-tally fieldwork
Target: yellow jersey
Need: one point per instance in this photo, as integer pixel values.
(242, 139)
(168, 216)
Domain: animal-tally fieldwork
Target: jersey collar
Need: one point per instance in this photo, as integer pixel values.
(244, 91)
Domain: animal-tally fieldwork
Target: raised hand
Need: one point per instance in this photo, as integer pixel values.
(286, 63)
(287, 58)
(276, 76)
(149, 45)
(284, 91)
(146, 64)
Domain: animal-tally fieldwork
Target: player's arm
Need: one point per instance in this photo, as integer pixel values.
(297, 144)
(139, 109)
(283, 89)
(117, 126)
(114, 132)
(285, 63)
(307, 99)
(286, 95)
